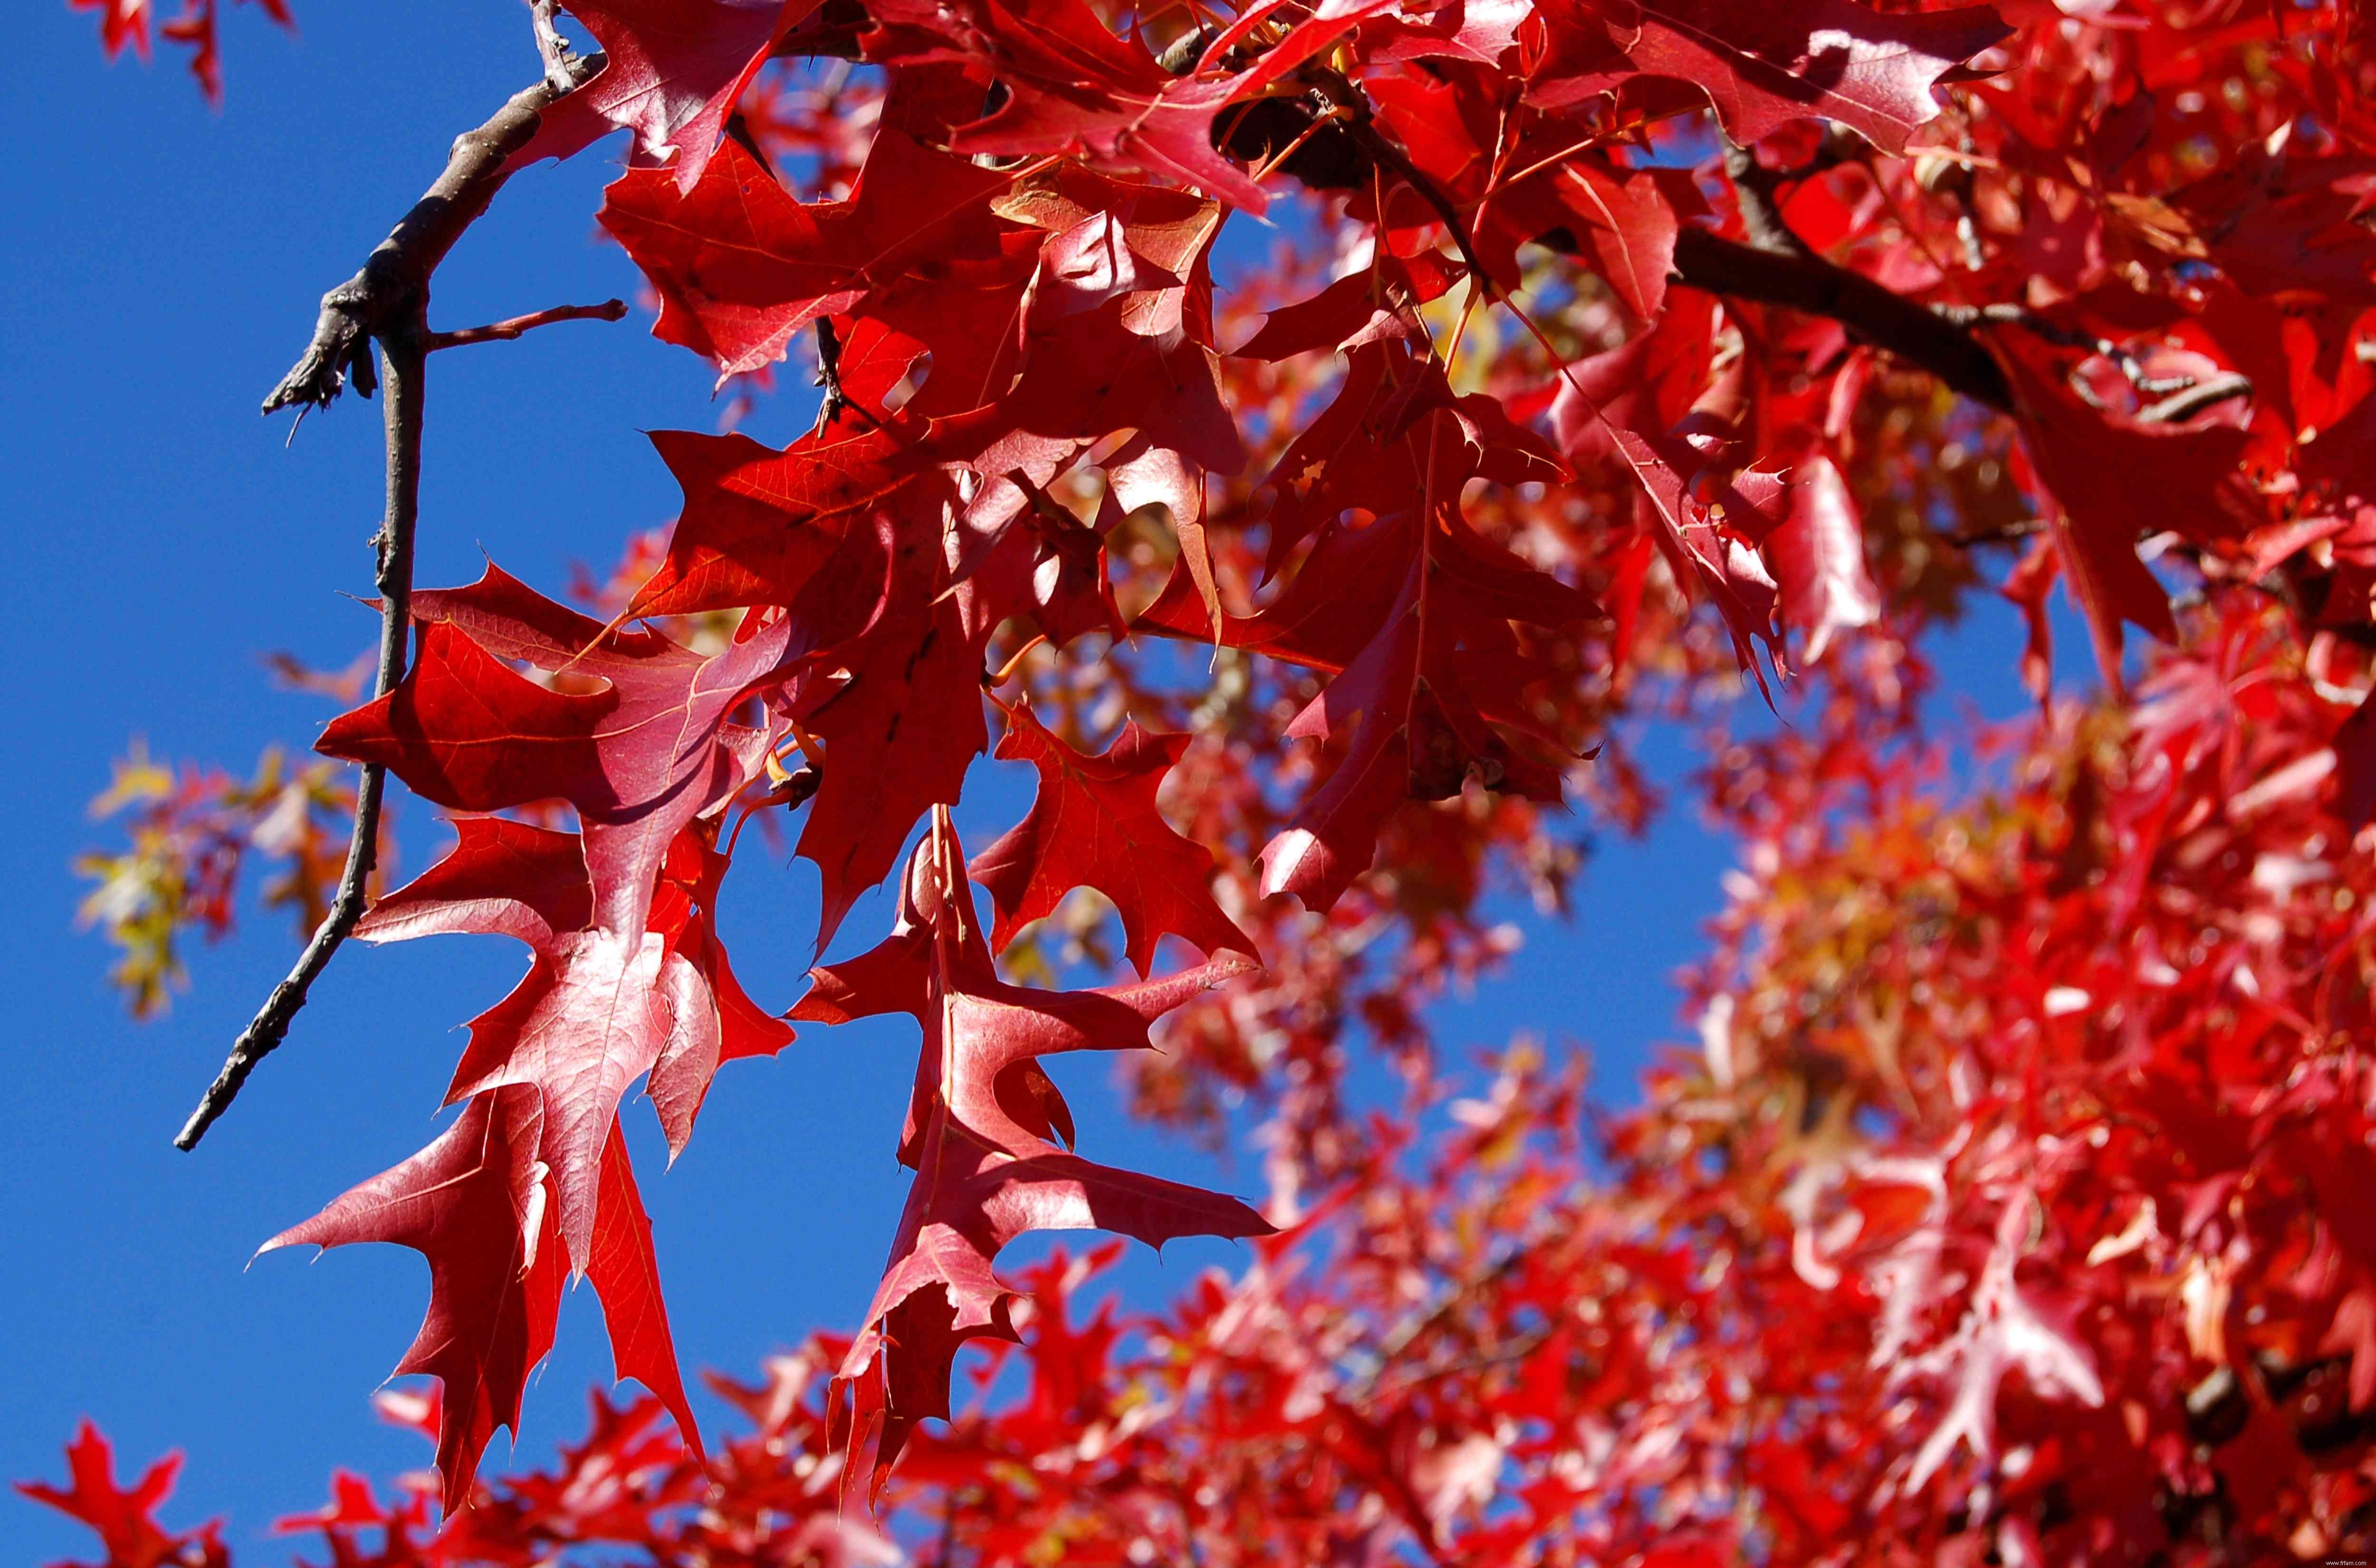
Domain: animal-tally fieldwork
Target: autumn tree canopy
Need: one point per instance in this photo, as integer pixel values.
(1613, 361)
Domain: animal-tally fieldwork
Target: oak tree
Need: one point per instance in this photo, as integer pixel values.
(1615, 362)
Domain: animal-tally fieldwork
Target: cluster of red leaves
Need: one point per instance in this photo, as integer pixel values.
(2011, 1210)
(2021, 1126)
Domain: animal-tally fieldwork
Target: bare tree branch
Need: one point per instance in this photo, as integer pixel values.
(387, 301)
(560, 61)
(505, 331)
(392, 289)
(403, 362)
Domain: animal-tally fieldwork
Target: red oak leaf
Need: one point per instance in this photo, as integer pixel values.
(1425, 704)
(638, 758)
(1764, 66)
(1095, 824)
(1393, 433)
(757, 525)
(506, 878)
(1119, 336)
(674, 70)
(740, 265)
(978, 1134)
(470, 1204)
(900, 715)
(1623, 221)
(1818, 559)
(1051, 566)
(1116, 337)
(476, 1204)
(353, 1507)
(122, 1519)
(1411, 613)
(2112, 481)
(597, 1010)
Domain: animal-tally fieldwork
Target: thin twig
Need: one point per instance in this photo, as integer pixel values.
(559, 60)
(393, 287)
(1996, 533)
(386, 303)
(836, 401)
(2180, 407)
(1383, 151)
(738, 132)
(1756, 190)
(403, 365)
(505, 331)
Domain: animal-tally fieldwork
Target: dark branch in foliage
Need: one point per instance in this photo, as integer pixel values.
(1880, 316)
(1756, 191)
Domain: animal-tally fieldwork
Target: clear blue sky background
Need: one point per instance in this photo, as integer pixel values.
(160, 269)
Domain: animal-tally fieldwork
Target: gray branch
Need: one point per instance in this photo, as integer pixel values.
(392, 289)
(403, 362)
(388, 302)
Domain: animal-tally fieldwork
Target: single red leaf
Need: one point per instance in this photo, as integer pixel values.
(673, 71)
(638, 759)
(1095, 823)
(477, 1203)
(470, 1204)
(1411, 616)
(980, 1122)
(1403, 603)
(901, 719)
(1623, 221)
(1818, 559)
(1764, 66)
(597, 1010)
(759, 525)
(123, 1520)
(740, 265)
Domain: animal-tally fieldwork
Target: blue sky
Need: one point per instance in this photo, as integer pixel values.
(161, 272)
